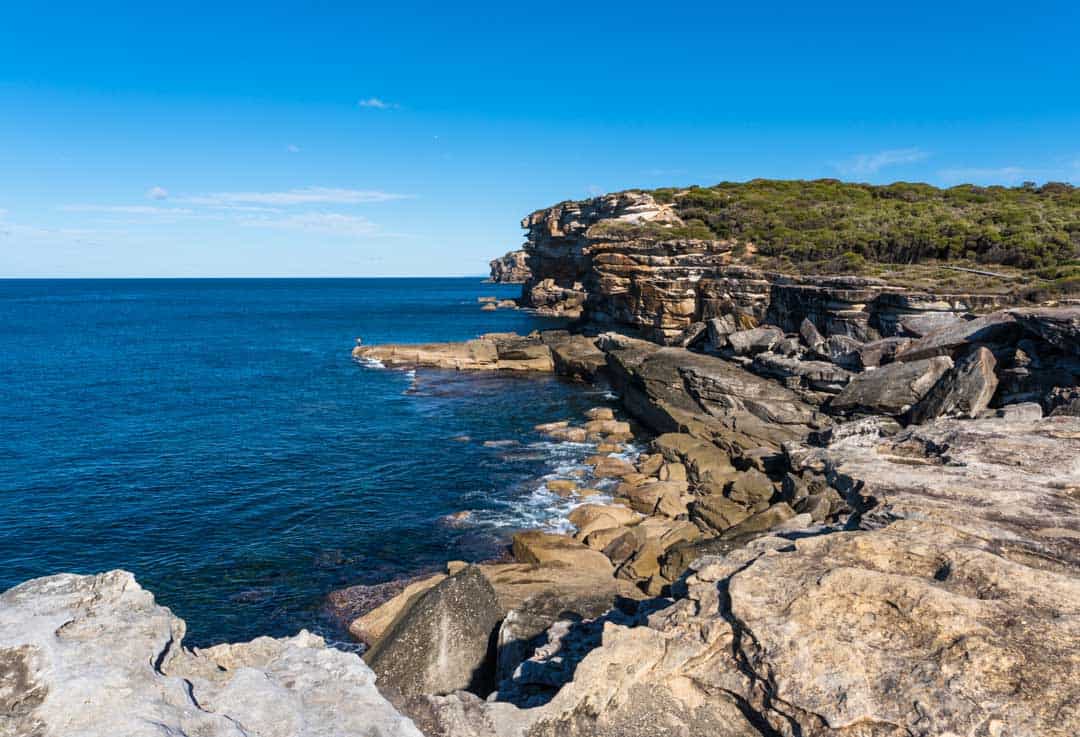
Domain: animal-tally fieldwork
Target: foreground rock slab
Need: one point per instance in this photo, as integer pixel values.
(95, 656)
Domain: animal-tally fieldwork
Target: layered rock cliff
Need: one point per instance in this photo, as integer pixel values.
(631, 261)
(510, 268)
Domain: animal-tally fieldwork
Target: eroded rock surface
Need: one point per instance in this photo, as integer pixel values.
(953, 608)
(96, 656)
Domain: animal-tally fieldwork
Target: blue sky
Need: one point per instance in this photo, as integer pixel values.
(332, 139)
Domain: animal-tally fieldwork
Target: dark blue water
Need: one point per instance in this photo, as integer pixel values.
(216, 438)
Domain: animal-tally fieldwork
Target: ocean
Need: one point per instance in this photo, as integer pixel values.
(216, 438)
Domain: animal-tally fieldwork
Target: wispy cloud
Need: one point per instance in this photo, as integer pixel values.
(376, 103)
(157, 193)
(320, 222)
(128, 209)
(292, 148)
(978, 175)
(302, 196)
(866, 164)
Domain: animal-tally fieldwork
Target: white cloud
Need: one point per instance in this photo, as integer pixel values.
(378, 104)
(302, 196)
(865, 164)
(319, 222)
(157, 193)
(292, 148)
(999, 175)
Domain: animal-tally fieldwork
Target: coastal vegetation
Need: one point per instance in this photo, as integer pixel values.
(849, 227)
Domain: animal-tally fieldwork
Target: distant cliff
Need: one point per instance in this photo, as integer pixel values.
(656, 262)
(510, 268)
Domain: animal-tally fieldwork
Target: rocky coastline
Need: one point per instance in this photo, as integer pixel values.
(857, 515)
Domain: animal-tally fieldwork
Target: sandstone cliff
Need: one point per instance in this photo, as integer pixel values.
(511, 268)
(630, 261)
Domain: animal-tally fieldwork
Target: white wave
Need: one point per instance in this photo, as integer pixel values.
(370, 362)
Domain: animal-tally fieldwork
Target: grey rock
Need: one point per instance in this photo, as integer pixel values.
(964, 391)
(880, 352)
(918, 325)
(751, 488)
(1058, 326)
(843, 351)
(761, 522)
(719, 328)
(821, 376)
(997, 327)
(755, 340)
(95, 656)
(1020, 412)
(810, 335)
(892, 389)
(441, 643)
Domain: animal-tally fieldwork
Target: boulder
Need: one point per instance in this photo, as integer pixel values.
(843, 350)
(997, 327)
(600, 413)
(964, 391)
(892, 389)
(811, 338)
(372, 625)
(763, 521)
(755, 340)
(719, 328)
(821, 376)
(546, 548)
(880, 352)
(1059, 326)
(578, 357)
(612, 467)
(589, 518)
(95, 656)
(717, 512)
(441, 643)
(751, 488)
(924, 323)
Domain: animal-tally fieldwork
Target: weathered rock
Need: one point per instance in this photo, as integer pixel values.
(919, 325)
(441, 642)
(994, 328)
(754, 341)
(762, 521)
(1058, 326)
(717, 512)
(95, 656)
(545, 548)
(751, 488)
(821, 376)
(719, 328)
(964, 391)
(372, 625)
(810, 335)
(960, 595)
(589, 518)
(577, 356)
(512, 268)
(880, 352)
(892, 389)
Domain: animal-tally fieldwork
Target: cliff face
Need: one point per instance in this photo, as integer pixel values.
(628, 260)
(510, 268)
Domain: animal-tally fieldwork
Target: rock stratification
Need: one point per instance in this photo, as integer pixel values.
(511, 268)
(626, 261)
(95, 656)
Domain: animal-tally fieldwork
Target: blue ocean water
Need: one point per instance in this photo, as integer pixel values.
(216, 438)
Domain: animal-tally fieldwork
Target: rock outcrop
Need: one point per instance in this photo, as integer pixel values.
(96, 656)
(625, 262)
(510, 268)
(951, 608)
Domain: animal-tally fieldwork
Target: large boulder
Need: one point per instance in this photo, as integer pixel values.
(1058, 326)
(892, 389)
(441, 642)
(95, 656)
(755, 340)
(965, 391)
(546, 548)
(954, 336)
